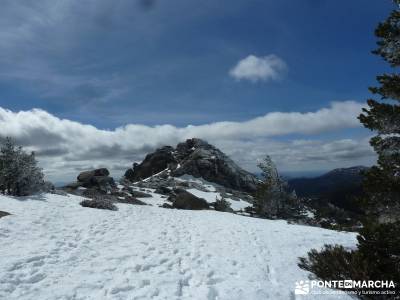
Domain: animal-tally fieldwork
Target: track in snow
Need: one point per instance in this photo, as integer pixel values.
(52, 248)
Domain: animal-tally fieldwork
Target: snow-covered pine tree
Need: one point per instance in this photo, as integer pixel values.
(31, 178)
(382, 182)
(272, 199)
(8, 166)
(19, 173)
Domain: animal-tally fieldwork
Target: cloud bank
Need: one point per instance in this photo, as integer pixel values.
(253, 68)
(65, 146)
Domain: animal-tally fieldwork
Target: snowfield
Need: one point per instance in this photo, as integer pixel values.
(52, 248)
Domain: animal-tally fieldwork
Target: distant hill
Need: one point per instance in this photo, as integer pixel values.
(338, 186)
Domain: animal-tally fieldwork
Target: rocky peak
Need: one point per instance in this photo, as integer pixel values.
(198, 158)
(153, 163)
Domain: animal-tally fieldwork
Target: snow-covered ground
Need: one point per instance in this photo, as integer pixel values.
(210, 197)
(52, 248)
(209, 193)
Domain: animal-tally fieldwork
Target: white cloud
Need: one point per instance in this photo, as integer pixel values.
(254, 68)
(302, 155)
(66, 146)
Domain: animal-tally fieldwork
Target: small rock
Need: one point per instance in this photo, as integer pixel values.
(130, 200)
(4, 213)
(99, 203)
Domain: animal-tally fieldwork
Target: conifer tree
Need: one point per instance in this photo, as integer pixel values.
(272, 198)
(19, 172)
(378, 254)
(382, 182)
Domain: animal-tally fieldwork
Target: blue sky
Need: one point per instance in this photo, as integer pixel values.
(113, 63)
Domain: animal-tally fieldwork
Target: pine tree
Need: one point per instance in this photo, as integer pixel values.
(272, 199)
(378, 254)
(31, 179)
(19, 173)
(8, 165)
(382, 182)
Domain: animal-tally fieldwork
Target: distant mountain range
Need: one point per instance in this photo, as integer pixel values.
(339, 186)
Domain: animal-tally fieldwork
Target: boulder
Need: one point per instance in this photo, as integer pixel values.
(97, 179)
(87, 175)
(182, 199)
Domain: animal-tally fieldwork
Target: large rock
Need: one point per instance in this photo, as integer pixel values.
(94, 179)
(182, 199)
(87, 175)
(197, 158)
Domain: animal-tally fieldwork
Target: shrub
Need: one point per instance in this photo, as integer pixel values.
(222, 205)
(376, 258)
(334, 262)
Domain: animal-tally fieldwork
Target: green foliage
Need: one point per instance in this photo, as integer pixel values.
(19, 173)
(222, 205)
(271, 197)
(379, 246)
(378, 254)
(335, 263)
(377, 257)
(388, 33)
(382, 182)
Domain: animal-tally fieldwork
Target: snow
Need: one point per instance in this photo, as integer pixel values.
(209, 186)
(52, 248)
(155, 200)
(210, 197)
(309, 214)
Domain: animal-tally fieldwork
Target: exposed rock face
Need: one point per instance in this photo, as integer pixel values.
(153, 163)
(182, 199)
(197, 158)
